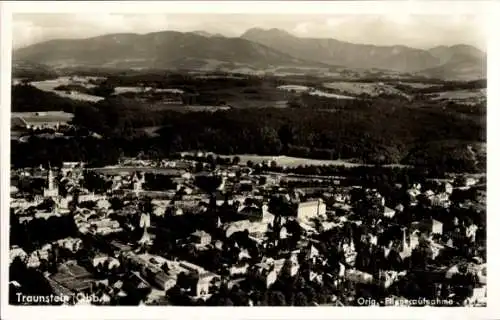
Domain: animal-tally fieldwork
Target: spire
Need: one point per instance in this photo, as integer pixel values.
(405, 243)
(50, 179)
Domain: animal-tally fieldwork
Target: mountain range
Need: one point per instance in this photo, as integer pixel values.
(256, 49)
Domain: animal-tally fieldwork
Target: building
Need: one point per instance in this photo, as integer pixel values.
(145, 220)
(440, 200)
(269, 269)
(204, 282)
(311, 209)
(388, 278)
(201, 238)
(389, 213)
(52, 191)
(72, 279)
(470, 232)
(16, 252)
(71, 244)
(349, 252)
(239, 269)
(358, 276)
(432, 226)
(164, 281)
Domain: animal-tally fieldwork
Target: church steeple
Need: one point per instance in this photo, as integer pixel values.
(50, 179)
(51, 190)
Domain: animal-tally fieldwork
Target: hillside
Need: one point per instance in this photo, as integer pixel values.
(447, 53)
(155, 50)
(34, 71)
(331, 51)
(459, 66)
(255, 49)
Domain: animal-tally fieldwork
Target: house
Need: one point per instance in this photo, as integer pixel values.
(448, 188)
(436, 226)
(243, 255)
(436, 249)
(315, 277)
(470, 232)
(251, 212)
(239, 269)
(256, 229)
(103, 204)
(311, 209)
(293, 265)
(33, 260)
(413, 193)
(358, 276)
(269, 269)
(71, 244)
(283, 234)
(135, 282)
(341, 198)
(389, 213)
(163, 280)
(16, 252)
(201, 238)
(70, 166)
(441, 200)
(102, 259)
(203, 281)
(388, 278)
(369, 238)
(429, 194)
(312, 253)
(204, 284)
(145, 220)
(478, 297)
(72, 278)
(399, 208)
(349, 252)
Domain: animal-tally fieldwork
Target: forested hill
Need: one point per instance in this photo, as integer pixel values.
(165, 50)
(384, 131)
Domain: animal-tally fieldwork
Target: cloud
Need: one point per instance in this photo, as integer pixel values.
(302, 28)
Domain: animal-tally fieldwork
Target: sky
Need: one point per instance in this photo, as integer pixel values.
(419, 31)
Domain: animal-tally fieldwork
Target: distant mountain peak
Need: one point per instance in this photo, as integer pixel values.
(161, 50)
(273, 32)
(202, 33)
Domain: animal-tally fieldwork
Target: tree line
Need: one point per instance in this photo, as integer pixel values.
(385, 132)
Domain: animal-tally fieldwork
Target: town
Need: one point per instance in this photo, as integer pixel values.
(253, 163)
(200, 229)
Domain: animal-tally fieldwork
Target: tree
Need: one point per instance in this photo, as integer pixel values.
(277, 298)
(236, 160)
(300, 300)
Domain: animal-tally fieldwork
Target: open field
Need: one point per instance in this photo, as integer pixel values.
(329, 95)
(125, 170)
(50, 85)
(417, 85)
(295, 162)
(40, 117)
(364, 88)
(460, 95)
(312, 91)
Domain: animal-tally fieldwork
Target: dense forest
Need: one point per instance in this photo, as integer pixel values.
(380, 131)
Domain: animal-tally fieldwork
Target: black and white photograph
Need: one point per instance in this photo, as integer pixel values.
(209, 159)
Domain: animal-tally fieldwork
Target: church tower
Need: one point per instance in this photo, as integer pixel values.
(52, 191)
